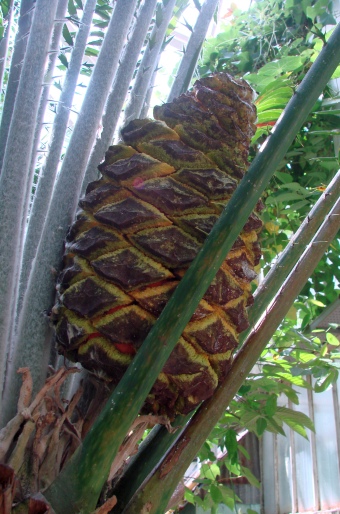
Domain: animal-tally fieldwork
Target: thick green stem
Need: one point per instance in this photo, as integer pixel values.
(138, 469)
(32, 343)
(85, 474)
(156, 493)
(116, 98)
(46, 181)
(48, 81)
(4, 43)
(148, 65)
(19, 50)
(15, 170)
(190, 57)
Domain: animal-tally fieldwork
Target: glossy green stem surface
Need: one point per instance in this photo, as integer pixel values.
(139, 468)
(156, 493)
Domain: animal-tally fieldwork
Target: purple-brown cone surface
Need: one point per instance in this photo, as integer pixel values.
(138, 229)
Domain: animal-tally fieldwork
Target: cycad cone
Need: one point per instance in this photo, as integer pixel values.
(138, 229)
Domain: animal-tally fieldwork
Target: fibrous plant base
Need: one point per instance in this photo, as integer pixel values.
(138, 229)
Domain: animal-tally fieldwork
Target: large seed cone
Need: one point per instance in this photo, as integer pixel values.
(139, 228)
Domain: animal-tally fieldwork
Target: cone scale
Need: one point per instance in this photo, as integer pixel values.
(138, 229)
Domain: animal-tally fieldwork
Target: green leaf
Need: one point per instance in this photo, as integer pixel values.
(250, 477)
(91, 52)
(67, 35)
(285, 197)
(72, 8)
(275, 103)
(271, 115)
(229, 493)
(271, 69)
(244, 389)
(271, 405)
(103, 11)
(262, 131)
(291, 395)
(336, 74)
(296, 206)
(96, 42)
(291, 63)
(244, 451)
(235, 469)
(230, 440)
(294, 380)
(299, 429)
(332, 340)
(303, 356)
(276, 93)
(216, 494)
(275, 425)
(293, 418)
(100, 23)
(97, 33)
(324, 382)
(261, 425)
(324, 350)
(295, 186)
(189, 496)
(63, 59)
(229, 497)
(283, 177)
(206, 453)
(210, 471)
(317, 303)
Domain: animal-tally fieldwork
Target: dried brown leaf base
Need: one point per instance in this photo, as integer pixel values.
(37, 442)
(44, 434)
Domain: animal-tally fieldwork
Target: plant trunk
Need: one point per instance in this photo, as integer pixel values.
(14, 177)
(33, 341)
(5, 42)
(119, 91)
(148, 65)
(19, 50)
(52, 57)
(49, 170)
(189, 60)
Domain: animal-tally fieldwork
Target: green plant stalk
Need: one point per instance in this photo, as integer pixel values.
(266, 291)
(15, 170)
(84, 476)
(31, 346)
(18, 55)
(139, 467)
(116, 98)
(4, 43)
(150, 453)
(148, 65)
(48, 81)
(44, 189)
(156, 493)
(190, 57)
